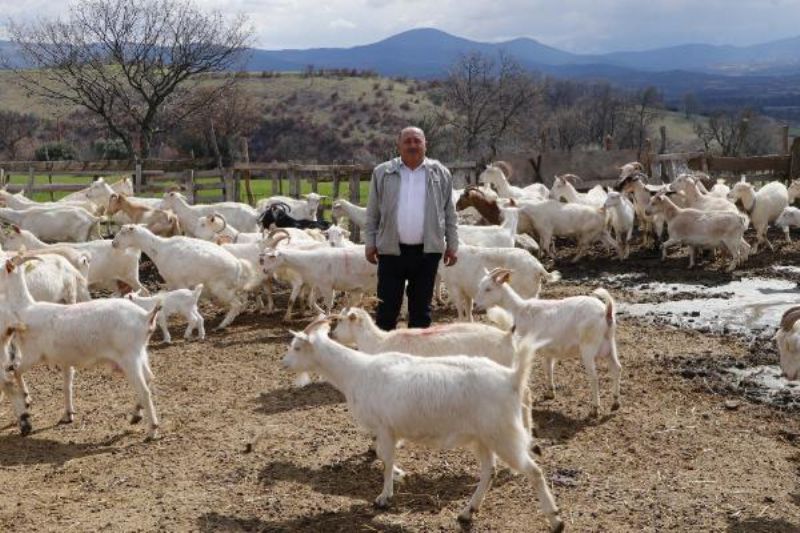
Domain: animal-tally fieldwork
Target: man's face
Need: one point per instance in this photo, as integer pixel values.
(411, 146)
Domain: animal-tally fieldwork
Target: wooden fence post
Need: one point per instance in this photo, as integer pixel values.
(248, 189)
(190, 192)
(355, 198)
(794, 162)
(137, 180)
(229, 184)
(29, 189)
(2, 177)
(294, 183)
(276, 182)
(647, 157)
(785, 139)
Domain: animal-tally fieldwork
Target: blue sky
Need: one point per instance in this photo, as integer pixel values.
(585, 26)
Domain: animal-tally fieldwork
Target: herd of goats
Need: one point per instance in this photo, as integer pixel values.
(469, 379)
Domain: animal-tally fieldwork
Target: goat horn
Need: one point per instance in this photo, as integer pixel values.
(316, 324)
(19, 260)
(224, 222)
(790, 316)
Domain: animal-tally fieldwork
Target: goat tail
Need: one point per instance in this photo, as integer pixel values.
(151, 317)
(500, 318)
(196, 292)
(610, 305)
(552, 277)
(523, 362)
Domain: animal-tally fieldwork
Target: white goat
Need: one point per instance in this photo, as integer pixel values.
(53, 278)
(494, 175)
(695, 199)
(578, 325)
(185, 262)
(621, 217)
(437, 401)
(552, 218)
(789, 218)
(764, 206)
(20, 202)
(109, 268)
(109, 330)
(241, 216)
(356, 214)
(55, 224)
(462, 278)
(702, 229)
(787, 339)
(354, 326)
(181, 302)
(564, 189)
(326, 270)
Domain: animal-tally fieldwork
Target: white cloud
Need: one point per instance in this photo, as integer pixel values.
(342, 24)
(575, 25)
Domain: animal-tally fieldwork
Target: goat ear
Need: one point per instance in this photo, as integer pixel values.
(299, 335)
(16, 228)
(9, 266)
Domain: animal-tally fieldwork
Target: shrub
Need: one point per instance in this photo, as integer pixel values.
(110, 149)
(55, 152)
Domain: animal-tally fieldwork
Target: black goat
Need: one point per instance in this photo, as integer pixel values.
(278, 214)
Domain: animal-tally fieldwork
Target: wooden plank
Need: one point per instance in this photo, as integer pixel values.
(207, 186)
(774, 163)
(55, 187)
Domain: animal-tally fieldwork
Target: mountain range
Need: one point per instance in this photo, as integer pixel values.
(765, 75)
(428, 52)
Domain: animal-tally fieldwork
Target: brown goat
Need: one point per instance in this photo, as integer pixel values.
(487, 207)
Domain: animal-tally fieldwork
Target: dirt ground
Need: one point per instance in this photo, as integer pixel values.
(241, 450)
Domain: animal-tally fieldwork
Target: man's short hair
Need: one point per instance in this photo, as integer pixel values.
(415, 129)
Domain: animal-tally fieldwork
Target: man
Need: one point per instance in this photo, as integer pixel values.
(411, 222)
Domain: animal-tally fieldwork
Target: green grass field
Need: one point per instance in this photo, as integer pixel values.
(261, 188)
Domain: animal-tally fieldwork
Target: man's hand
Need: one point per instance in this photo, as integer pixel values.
(371, 253)
(450, 258)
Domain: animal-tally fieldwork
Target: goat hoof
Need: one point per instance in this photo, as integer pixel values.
(615, 406)
(558, 527)
(153, 435)
(465, 515)
(66, 419)
(382, 502)
(593, 412)
(135, 419)
(25, 426)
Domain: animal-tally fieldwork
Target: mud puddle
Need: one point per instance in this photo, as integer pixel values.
(748, 308)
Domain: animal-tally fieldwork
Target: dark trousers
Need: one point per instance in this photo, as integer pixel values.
(419, 269)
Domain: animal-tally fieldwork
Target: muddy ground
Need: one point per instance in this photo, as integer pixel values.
(243, 451)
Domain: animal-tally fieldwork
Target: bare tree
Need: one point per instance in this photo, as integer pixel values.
(130, 61)
(14, 127)
(485, 96)
(737, 133)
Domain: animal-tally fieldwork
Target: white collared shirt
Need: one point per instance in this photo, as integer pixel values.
(411, 206)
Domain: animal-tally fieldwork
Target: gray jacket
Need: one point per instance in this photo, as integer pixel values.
(440, 213)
